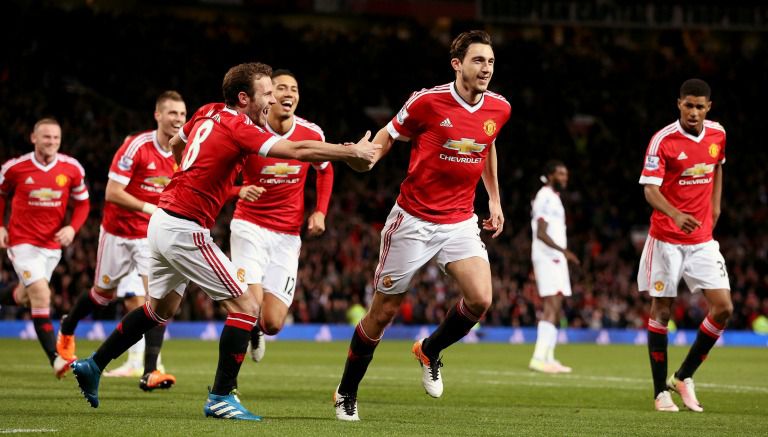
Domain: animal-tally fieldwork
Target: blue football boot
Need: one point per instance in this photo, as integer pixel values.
(227, 407)
(88, 375)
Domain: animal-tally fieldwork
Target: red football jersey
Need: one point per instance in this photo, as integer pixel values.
(450, 141)
(40, 197)
(219, 141)
(684, 167)
(145, 169)
(281, 207)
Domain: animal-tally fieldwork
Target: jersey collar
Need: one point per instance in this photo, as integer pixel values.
(470, 108)
(42, 167)
(287, 134)
(689, 136)
(159, 148)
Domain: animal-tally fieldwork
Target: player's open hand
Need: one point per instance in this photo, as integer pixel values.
(316, 224)
(496, 220)
(365, 153)
(65, 236)
(571, 257)
(686, 222)
(251, 192)
(3, 237)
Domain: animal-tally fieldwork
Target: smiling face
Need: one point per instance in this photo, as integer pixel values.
(47, 139)
(693, 112)
(257, 106)
(286, 91)
(476, 69)
(170, 116)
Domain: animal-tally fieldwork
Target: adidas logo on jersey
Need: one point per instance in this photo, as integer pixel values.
(682, 156)
(152, 166)
(446, 123)
(29, 180)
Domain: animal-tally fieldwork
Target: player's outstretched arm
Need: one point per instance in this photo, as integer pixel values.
(385, 139)
(359, 155)
(495, 222)
(686, 222)
(115, 193)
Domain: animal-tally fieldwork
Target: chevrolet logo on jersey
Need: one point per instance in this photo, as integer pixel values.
(45, 194)
(281, 169)
(158, 181)
(699, 170)
(465, 146)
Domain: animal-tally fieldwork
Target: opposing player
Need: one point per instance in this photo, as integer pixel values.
(41, 183)
(550, 257)
(179, 231)
(453, 130)
(140, 170)
(265, 240)
(683, 179)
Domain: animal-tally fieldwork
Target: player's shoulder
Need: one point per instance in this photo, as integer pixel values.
(497, 99)
(661, 136)
(428, 94)
(135, 142)
(209, 109)
(69, 161)
(17, 162)
(711, 124)
(306, 124)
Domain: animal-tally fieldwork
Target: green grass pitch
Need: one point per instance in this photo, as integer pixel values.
(488, 391)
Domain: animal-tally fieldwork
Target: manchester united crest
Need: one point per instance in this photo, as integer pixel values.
(387, 281)
(241, 275)
(61, 180)
(714, 150)
(106, 279)
(659, 286)
(489, 126)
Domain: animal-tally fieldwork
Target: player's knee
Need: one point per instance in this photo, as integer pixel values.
(723, 312)
(479, 305)
(383, 317)
(663, 315)
(271, 327)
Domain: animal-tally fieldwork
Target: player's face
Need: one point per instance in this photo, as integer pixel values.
(693, 112)
(560, 178)
(47, 139)
(262, 99)
(170, 116)
(286, 91)
(477, 67)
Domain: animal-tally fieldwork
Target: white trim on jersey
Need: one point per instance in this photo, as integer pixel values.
(321, 166)
(312, 126)
(120, 179)
(395, 134)
(182, 136)
(714, 125)
(136, 143)
(264, 150)
(651, 180)
(42, 167)
(70, 160)
(470, 108)
(285, 135)
(164, 153)
(12, 162)
(437, 89)
(691, 137)
(660, 135)
(497, 97)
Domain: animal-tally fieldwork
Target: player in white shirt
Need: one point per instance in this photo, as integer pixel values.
(550, 257)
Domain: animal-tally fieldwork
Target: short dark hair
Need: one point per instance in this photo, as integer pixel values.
(695, 88)
(45, 120)
(283, 72)
(551, 166)
(240, 79)
(168, 95)
(461, 43)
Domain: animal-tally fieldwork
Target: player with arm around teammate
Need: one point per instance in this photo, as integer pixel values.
(42, 183)
(453, 130)
(265, 241)
(682, 180)
(182, 250)
(550, 257)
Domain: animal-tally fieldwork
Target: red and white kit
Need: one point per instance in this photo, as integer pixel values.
(450, 142)
(683, 166)
(179, 234)
(40, 197)
(144, 168)
(265, 240)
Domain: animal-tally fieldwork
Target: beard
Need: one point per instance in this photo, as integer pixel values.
(557, 186)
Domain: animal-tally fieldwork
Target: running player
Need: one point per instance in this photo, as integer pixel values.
(265, 240)
(41, 183)
(550, 258)
(140, 170)
(453, 130)
(682, 180)
(182, 249)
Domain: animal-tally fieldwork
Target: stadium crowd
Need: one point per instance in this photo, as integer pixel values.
(590, 97)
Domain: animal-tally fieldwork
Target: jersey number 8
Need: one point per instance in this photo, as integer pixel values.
(194, 148)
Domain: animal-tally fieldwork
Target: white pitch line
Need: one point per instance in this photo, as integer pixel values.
(26, 430)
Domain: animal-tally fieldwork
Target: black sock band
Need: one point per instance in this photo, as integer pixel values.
(454, 327)
(709, 333)
(359, 356)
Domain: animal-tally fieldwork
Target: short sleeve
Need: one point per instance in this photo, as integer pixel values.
(410, 120)
(654, 166)
(252, 138)
(79, 191)
(121, 170)
(6, 178)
